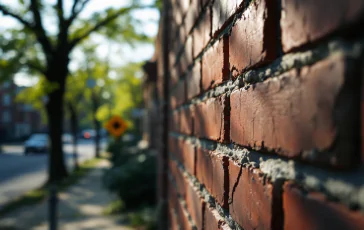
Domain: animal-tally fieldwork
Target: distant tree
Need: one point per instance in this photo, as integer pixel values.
(35, 48)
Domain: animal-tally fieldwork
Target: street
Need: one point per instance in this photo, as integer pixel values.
(20, 174)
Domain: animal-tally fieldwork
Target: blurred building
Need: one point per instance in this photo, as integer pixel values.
(17, 120)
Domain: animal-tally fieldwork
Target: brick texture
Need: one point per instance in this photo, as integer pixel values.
(195, 206)
(202, 33)
(212, 172)
(251, 198)
(259, 92)
(215, 64)
(194, 81)
(294, 113)
(178, 95)
(253, 38)
(222, 10)
(305, 21)
(314, 211)
(213, 220)
(210, 117)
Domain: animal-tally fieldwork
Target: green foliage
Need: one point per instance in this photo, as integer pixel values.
(133, 177)
(114, 207)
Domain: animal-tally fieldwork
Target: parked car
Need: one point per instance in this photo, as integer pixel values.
(37, 143)
(67, 138)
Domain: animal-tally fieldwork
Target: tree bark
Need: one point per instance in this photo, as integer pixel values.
(57, 73)
(56, 167)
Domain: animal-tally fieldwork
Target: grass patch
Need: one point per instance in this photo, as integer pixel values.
(40, 194)
(114, 208)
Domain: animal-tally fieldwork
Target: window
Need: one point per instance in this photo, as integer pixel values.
(6, 99)
(6, 116)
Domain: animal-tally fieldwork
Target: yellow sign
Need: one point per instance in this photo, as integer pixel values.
(116, 126)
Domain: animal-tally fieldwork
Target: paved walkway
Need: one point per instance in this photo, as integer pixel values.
(80, 208)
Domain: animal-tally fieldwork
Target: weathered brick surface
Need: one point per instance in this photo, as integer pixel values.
(210, 117)
(192, 15)
(251, 198)
(213, 220)
(215, 64)
(212, 172)
(194, 81)
(305, 21)
(305, 107)
(178, 178)
(222, 10)
(185, 58)
(186, 120)
(172, 218)
(202, 33)
(314, 211)
(295, 112)
(184, 152)
(195, 206)
(178, 95)
(253, 38)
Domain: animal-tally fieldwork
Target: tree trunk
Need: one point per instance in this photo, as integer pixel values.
(56, 74)
(74, 130)
(56, 166)
(95, 105)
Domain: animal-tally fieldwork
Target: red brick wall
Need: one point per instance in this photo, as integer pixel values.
(264, 117)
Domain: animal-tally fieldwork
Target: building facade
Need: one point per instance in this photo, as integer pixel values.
(17, 120)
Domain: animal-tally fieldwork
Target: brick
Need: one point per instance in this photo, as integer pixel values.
(195, 206)
(305, 21)
(184, 152)
(184, 222)
(212, 172)
(192, 15)
(222, 10)
(213, 220)
(180, 6)
(215, 64)
(202, 33)
(188, 152)
(179, 211)
(185, 59)
(194, 81)
(178, 94)
(174, 124)
(252, 198)
(178, 178)
(172, 219)
(254, 37)
(210, 117)
(172, 208)
(186, 120)
(314, 211)
(300, 111)
(173, 73)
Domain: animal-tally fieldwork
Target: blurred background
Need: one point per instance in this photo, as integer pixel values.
(67, 68)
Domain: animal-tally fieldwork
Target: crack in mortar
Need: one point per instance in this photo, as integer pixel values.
(346, 187)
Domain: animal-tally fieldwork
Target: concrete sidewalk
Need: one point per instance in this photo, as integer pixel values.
(80, 207)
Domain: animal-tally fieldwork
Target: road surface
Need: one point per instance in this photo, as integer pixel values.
(19, 173)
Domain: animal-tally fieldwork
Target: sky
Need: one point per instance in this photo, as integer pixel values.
(123, 54)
